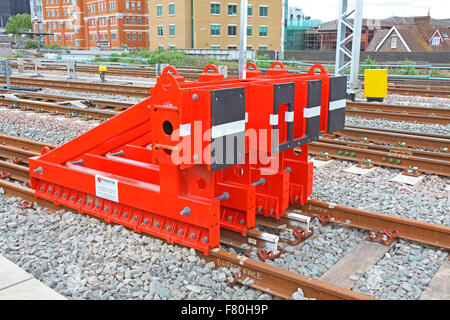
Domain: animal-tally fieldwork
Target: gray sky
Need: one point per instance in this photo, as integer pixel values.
(326, 10)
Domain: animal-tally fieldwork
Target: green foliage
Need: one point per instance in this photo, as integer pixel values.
(264, 65)
(409, 70)
(372, 64)
(18, 55)
(30, 44)
(18, 23)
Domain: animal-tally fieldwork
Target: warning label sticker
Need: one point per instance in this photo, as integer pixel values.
(106, 188)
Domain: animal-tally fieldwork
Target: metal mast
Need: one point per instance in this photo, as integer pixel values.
(342, 40)
(243, 40)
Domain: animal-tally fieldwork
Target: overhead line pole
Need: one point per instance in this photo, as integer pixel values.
(243, 40)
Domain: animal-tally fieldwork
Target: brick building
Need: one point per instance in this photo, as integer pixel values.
(85, 24)
(215, 24)
(418, 35)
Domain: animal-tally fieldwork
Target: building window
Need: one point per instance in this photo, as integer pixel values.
(133, 20)
(133, 5)
(127, 5)
(160, 47)
(249, 31)
(215, 8)
(249, 48)
(262, 31)
(263, 48)
(232, 9)
(159, 10)
(436, 41)
(128, 20)
(171, 9)
(139, 20)
(232, 47)
(232, 30)
(215, 29)
(128, 36)
(134, 36)
(139, 36)
(214, 47)
(263, 11)
(172, 30)
(250, 11)
(160, 31)
(138, 5)
(394, 42)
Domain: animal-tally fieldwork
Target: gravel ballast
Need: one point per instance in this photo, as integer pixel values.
(84, 258)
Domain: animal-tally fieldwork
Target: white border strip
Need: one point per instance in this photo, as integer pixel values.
(289, 116)
(227, 129)
(338, 104)
(274, 119)
(311, 112)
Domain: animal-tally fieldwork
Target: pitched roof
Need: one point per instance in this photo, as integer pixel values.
(379, 35)
(413, 39)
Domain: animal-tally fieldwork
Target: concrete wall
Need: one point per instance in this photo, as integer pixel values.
(330, 56)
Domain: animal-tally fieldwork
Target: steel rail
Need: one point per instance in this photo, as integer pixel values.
(394, 137)
(420, 92)
(394, 116)
(445, 156)
(24, 144)
(400, 160)
(274, 280)
(283, 283)
(44, 97)
(381, 107)
(135, 91)
(55, 109)
(408, 229)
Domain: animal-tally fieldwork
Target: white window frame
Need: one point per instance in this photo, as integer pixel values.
(249, 25)
(173, 29)
(157, 31)
(394, 43)
(263, 6)
(259, 33)
(215, 35)
(228, 34)
(233, 4)
(172, 14)
(435, 41)
(215, 14)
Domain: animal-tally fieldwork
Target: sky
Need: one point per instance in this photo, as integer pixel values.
(327, 10)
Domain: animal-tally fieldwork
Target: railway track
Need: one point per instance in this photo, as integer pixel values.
(426, 88)
(103, 88)
(268, 278)
(435, 161)
(398, 112)
(99, 109)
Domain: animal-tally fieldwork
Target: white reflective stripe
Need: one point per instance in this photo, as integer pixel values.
(246, 117)
(289, 116)
(338, 104)
(185, 130)
(227, 128)
(274, 119)
(311, 112)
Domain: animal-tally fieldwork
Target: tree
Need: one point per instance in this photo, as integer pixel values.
(18, 23)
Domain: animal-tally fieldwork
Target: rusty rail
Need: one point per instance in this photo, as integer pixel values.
(391, 158)
(381, 107)
(408, 229)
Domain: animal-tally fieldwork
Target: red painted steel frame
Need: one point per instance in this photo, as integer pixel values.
(134, 149)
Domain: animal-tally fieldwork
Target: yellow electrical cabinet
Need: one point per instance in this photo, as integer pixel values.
(102, 68)
(375, 84)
